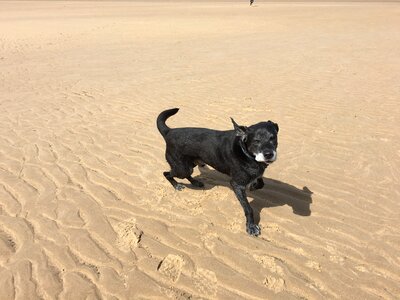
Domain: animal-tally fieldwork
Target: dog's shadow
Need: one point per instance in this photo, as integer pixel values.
(274, 193)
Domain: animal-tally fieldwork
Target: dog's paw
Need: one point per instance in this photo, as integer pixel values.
(179, 186)
(253, 229)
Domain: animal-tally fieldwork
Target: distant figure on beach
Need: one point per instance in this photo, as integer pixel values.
(251, 2)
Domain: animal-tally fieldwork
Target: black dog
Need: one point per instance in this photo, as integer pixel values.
(243, 153)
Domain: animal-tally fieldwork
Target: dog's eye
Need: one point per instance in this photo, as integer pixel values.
(256, 141)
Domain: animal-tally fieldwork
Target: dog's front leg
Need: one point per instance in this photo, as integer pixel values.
(240, 192)
(257, 184)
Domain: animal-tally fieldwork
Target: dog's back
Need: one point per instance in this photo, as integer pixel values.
(195, 141)
(212, 147)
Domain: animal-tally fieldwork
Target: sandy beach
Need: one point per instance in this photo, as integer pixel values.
(85, 211)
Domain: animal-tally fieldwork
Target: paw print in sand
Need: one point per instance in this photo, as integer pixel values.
(171, 267)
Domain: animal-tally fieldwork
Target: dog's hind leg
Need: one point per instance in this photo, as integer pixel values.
(240, 192)
(175, 184)
(180, 168)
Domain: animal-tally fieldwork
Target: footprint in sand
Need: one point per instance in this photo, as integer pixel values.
(276, 285)
(313, 265)
(210, 239)
(129, 234)
(171, 266)
(205, 282)
(269, 262)
(175, 293)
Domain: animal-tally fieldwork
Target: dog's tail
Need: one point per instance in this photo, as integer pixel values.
(162, 127)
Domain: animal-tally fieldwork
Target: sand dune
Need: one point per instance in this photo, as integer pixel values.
(85, 212)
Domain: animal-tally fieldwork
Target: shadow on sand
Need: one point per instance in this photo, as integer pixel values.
(274, 193)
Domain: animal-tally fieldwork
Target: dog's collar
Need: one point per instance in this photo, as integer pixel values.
(244, 149)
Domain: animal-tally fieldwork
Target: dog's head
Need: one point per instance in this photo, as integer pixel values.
(260, 140)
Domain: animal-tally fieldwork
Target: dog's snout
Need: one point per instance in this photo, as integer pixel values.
(269, 154)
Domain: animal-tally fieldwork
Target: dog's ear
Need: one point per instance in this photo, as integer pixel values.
(275, 125)
(240, 130)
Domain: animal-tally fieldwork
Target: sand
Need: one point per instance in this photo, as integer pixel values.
(85, 212)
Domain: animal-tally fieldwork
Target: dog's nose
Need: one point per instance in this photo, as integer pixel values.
(268, 154)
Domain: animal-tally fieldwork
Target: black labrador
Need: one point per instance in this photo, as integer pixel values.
(243, 154)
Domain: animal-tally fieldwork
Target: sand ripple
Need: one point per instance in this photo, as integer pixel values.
(84, 209)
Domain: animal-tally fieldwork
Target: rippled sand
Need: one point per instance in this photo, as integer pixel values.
(85, 211)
